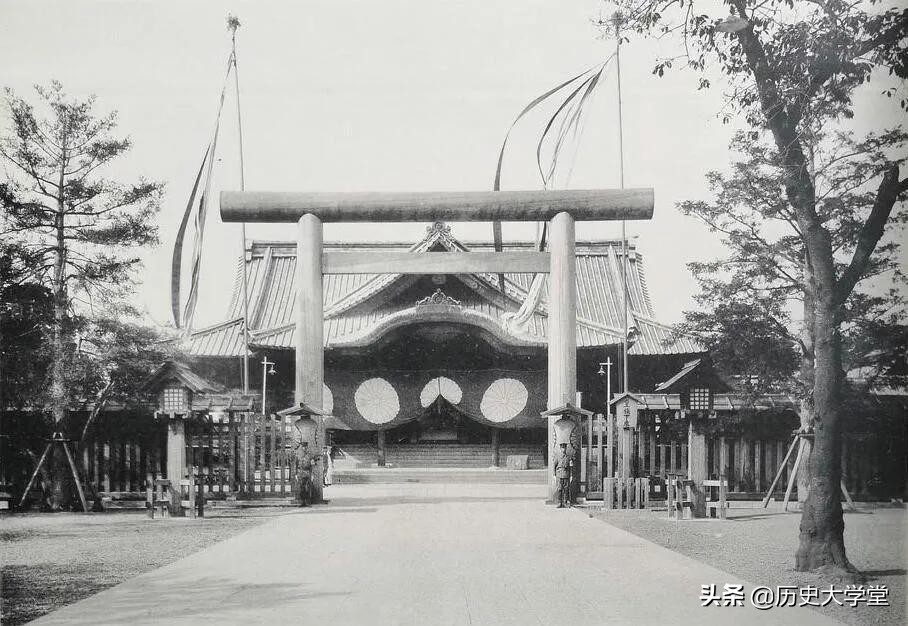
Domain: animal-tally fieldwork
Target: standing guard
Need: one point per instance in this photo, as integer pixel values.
(305, 468)
(563, 464)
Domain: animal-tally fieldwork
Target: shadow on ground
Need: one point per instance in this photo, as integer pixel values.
(205, 597)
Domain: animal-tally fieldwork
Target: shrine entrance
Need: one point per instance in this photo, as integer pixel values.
(439, 407)
(441, 423)
(560, 208)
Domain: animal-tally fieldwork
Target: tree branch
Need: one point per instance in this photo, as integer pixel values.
(100, 403)
(827, 67)
(886, 196)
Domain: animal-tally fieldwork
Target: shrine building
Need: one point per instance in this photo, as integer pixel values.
(439, 370)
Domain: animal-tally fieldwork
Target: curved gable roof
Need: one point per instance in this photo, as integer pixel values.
(355, 304)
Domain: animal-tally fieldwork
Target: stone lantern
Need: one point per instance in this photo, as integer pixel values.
(307, 424)
(567, 420)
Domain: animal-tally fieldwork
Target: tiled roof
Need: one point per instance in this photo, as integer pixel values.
(721, 401)
(270, 268)
(174, 370)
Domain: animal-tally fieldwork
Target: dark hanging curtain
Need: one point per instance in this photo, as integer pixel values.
(409, 385)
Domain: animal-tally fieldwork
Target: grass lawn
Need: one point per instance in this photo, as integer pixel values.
(50, 560)
(759, 544)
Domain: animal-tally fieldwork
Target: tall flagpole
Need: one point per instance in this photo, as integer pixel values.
(232, 24)
(616, 18)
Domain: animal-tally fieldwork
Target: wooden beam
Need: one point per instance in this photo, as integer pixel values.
(463, 206)
(376, 262)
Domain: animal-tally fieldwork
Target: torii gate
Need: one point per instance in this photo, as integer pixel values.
(562, 208)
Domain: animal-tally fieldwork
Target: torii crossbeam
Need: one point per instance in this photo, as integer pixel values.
(562, 208)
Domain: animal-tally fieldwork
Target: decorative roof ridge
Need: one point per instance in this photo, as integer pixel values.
(263, 332)
(437, 233)
(390, 320)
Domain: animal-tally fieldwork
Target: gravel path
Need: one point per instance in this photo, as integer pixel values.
(759, 546)
(48, 561)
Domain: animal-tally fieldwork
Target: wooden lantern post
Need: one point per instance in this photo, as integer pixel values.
(176, 449)
(174, 407)
(697, 470)
(627, 409)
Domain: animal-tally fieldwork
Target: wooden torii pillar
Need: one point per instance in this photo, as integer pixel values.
(563, 208)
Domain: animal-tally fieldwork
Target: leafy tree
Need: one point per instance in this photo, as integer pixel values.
(26, 310)
(745, 334)
(79, 228)
(792, 70)
(748, 299)
(114, 358)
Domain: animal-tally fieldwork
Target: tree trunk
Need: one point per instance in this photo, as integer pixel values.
(822, 526)
(822, 541)
(806, 409)
(58, 394)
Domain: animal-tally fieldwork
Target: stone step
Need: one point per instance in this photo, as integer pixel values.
(440, 475)
(362, 456)
(439, 463)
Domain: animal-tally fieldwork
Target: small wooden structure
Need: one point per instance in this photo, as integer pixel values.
(680, 497)
(682, 494)
(161, 496)
(716, 506)
(184, 395)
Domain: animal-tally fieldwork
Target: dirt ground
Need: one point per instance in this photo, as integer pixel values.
(50, 560)
(759, 544)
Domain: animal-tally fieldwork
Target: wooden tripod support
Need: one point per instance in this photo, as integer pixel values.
(799, 439)
(57, 438)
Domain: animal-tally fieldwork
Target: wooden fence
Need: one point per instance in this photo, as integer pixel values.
(749, 464)
(244, 454)
(625, 493)
(250, 455)
(247, 454)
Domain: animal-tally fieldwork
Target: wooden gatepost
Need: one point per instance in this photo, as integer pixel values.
(311, 210)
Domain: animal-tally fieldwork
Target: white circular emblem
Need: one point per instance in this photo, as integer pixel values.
(377, 401)
(441, 386)
(327, 400)
(504, 400)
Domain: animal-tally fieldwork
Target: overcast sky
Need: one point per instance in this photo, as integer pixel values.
(346, 95)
